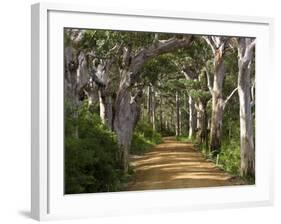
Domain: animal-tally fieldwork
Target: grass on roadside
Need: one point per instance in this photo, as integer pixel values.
(228, 159)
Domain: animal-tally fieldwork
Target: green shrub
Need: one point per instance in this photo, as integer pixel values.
(229, 156)
(140, 145)
(144, 138)
(148, 133)
(91, 163)
(183, 138)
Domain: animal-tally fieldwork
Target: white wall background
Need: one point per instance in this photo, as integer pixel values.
(15, 111)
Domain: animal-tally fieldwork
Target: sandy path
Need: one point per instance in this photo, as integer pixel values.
(174, 164)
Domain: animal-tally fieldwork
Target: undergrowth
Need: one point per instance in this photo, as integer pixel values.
(144, 138)
(91, 158)
(228, 159)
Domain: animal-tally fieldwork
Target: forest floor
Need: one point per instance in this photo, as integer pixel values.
(174, 164)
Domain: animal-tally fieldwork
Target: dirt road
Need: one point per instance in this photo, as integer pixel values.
(174, 164)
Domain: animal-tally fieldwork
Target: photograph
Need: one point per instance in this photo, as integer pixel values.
(153, 111)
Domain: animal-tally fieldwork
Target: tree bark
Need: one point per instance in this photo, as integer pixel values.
(106, 110)
(217, 45)
(177, 114)
(149, 104)
(192, 117)
(153, 109)
(161, 114)
(76, 77)
(247, 150)
(217, 104)
(127, 113)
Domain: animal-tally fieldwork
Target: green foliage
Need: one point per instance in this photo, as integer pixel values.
(148, 132)
(91, 157)
(140, 144)
(163, 64)
(229, 158)
(183, 138)
(144, 138)
(91, 163)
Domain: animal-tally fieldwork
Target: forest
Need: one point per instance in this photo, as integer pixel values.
(149, 110)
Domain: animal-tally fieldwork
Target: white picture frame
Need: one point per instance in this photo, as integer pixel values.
(48, 201)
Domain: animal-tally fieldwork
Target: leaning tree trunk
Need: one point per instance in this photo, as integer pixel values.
(126, 116)
(247, 149)
(127, 112)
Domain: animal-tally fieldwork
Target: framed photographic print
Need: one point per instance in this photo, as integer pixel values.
(138, 111)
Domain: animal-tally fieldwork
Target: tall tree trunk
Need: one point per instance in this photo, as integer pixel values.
(102, 106)
(177, 114)
(202, 133)
(76, 77)
(247, 150)
(217, 45)
(192, 117)
(153, 108)
(126, 116)
(161, 114)
(180, 123)
(106, 110)
(149, 98)
(217, 105)
(200, 122)
(172, 126)
(127, 112)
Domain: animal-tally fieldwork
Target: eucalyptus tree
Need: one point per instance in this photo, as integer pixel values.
(99, 57)
(218, 45)
(154, 74)
(191, 62)
(137, 49)
(246, 48)
(76, 72)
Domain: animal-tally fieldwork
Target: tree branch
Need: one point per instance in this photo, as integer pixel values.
(229, 97)
(163, 46)
(211, 43)
(249, 51)
(197, 107)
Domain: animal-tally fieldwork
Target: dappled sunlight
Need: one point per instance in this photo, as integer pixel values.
(201, 175)
(173, 164)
